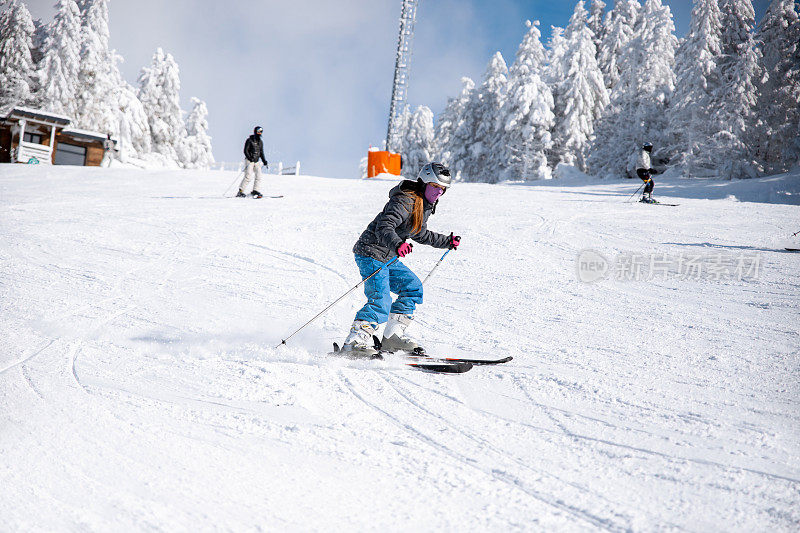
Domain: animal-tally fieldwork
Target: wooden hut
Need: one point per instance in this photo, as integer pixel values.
(35, 136)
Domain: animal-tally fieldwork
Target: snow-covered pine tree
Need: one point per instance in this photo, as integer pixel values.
(639, 100)
(527, 116)
(17, 82)
(596, 24)
(480, 161)
(61, 60)
(779, 33)
(740, 71)
(363, 171)
(692, 113)
(399, 131)
(456, 150)
(159, 86)
(133, 127)
(40, 30)
(398, 140)
(418, 145)
(98, 73)
(450, 120)
(658, 48)
(620, 27)
(554, 73)
(738, 22)
(198, 141)
(797, 139)
(581, 96)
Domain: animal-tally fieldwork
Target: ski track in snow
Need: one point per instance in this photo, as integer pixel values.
(141, 390)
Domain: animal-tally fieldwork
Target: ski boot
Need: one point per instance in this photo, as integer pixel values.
(240, 194)
(257, 194)
(395, 338)
(359, 343)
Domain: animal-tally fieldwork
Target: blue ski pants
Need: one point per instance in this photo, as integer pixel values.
(396, 278)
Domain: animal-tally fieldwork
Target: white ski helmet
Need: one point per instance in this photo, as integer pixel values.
(435, 173)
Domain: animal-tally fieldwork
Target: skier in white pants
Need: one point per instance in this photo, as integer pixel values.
(109, 147)
(254, 156)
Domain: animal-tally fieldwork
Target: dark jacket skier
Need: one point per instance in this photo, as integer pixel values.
(378, 251)
(254, 157)
(254, 147)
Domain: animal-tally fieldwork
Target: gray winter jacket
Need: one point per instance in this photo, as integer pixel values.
(393, 225)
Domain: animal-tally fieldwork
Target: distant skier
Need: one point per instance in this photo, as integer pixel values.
(254, 155)
(405, 215)
(645, 173)
(109, 147)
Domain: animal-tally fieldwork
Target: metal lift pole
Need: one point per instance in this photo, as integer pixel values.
(402, 69)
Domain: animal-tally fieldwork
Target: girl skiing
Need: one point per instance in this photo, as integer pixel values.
(377, 253)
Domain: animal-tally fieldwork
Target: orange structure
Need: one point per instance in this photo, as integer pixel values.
(383, 162)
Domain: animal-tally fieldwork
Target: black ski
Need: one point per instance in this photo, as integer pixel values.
(477, 362)
(443, 367)
(658, 203)
(792, 249)
(423, 363)
(423, 355)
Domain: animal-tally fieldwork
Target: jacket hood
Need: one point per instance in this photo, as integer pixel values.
(404, 187)
(396, 190)
(407, 186)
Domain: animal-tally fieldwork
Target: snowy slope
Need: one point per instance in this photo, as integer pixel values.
(140, 388)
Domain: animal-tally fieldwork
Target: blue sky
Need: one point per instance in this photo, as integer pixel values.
(317, 74)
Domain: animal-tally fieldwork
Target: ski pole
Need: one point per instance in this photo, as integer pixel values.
(335, 302)
(632, 195)
(435, 266)
(795, 233)
(225, 194)
(439, 262)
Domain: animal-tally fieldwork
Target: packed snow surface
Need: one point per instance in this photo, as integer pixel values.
(141, 388)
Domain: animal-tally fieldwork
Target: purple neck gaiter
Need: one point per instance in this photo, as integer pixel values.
(433, 193)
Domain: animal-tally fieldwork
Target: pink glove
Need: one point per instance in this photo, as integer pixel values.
(404, 249)
(454, 241)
